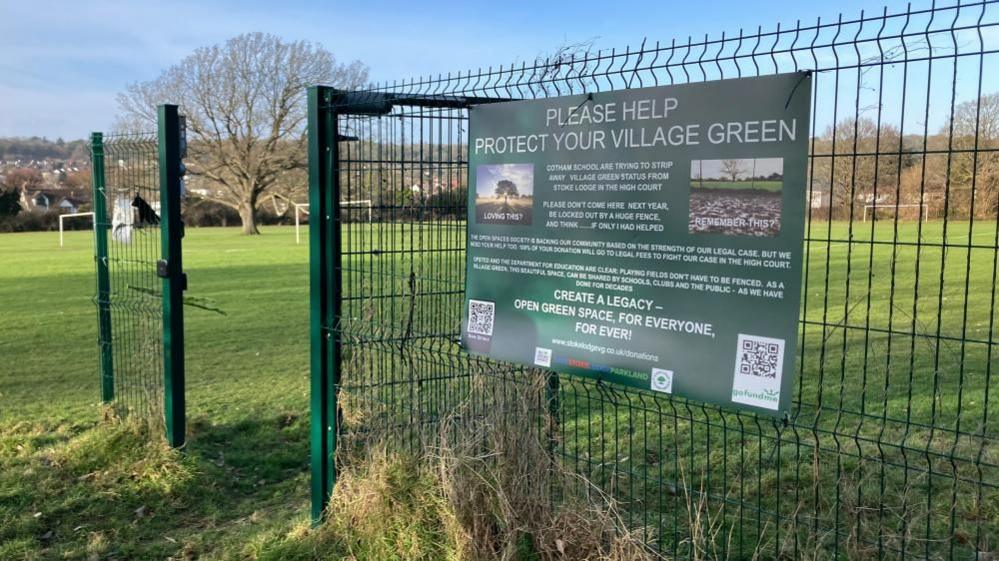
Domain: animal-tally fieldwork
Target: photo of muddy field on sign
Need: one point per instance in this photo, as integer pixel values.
(736, 197)
(504, 194)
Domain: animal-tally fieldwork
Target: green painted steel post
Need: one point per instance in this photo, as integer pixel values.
(171, 269)
(324, 294)
(103, 268)
(554, 410)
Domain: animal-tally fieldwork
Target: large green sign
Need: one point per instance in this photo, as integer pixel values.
(648, 237)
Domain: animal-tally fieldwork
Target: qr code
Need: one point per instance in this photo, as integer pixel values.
(543, 357)
(480, 317)
(760, 356)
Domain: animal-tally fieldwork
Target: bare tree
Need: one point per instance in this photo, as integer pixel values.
(859, 162)
(732, 168)
(505, 188)
(974, 174)
(24, 179)
(245, 106)
(79, 179)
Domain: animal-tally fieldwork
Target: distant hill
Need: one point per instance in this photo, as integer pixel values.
(39, 148)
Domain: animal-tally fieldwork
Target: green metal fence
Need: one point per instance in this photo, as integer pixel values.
(140, 281)
(891, 449)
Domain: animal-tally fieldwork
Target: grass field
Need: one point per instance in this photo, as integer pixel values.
(877, 384)
(257, 354)
(772, 186)
(246, 473)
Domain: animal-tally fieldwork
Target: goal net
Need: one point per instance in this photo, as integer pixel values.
(898, 210)
(356, 211)
(63, 217)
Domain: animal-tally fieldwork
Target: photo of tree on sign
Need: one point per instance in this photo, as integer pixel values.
(504, 194)
(739, 197)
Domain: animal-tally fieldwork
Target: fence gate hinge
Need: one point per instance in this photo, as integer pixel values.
(163, 271)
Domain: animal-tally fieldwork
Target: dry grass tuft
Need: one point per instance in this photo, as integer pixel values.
(509, 497)
(386, 507)
(485, 488)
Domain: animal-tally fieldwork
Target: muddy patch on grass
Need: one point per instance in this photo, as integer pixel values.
(735, 212)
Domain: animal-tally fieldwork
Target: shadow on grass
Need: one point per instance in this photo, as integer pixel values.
(117, 491)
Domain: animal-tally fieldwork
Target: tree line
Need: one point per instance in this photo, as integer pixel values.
(41, 148)
(244, 103)
(954, 170)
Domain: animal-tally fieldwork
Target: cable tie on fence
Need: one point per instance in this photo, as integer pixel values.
(804, 74)
(589, 97)
(412, 306)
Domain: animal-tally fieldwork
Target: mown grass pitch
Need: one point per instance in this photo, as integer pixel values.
(772, 186)
(259, 351)
(254, 356)
(245, 478)
(246, 483)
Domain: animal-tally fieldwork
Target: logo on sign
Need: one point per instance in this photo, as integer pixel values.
(759, 364)
(662, 380)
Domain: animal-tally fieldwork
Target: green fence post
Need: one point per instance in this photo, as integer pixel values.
(103, 269)
(171, 269)
(554, 410)
(324, 294)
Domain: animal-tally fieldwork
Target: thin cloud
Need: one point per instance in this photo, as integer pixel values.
(487, 176)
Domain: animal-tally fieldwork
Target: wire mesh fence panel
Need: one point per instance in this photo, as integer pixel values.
(891, 450)
(403, 272)
(130, 190)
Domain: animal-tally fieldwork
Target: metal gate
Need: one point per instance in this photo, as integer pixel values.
(891, 449)
(140, 279)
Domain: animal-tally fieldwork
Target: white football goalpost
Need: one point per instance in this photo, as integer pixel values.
(304, 207)
(72, 215)
(874, 208)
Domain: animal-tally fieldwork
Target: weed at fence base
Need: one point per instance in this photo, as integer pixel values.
(484, 479)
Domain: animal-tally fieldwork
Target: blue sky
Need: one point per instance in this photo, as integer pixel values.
(62, 63)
